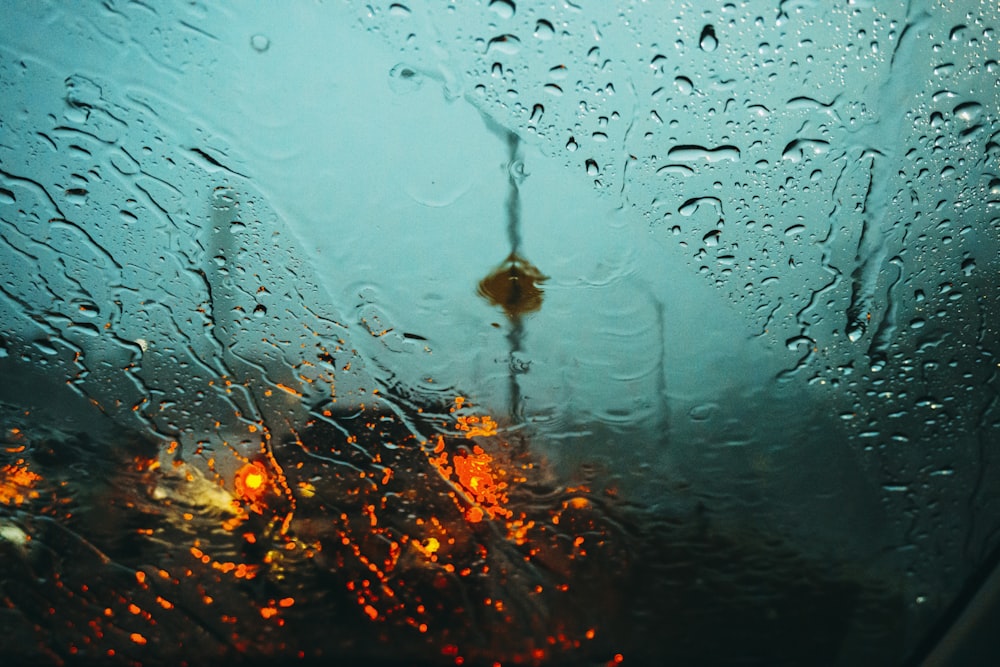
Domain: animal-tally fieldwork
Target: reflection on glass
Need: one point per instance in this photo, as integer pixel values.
(514, 286)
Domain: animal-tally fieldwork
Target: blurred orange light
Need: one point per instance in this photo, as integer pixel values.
(251, 481)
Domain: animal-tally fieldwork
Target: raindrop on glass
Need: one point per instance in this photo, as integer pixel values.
(544, 29)
(260, 43)
(968, 111)
(404, 79)
(504, 8)
(702, 412)
(708, 42)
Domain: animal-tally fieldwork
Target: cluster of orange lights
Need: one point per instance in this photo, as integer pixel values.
(17, 483)
(474, 426)
(478, 476)
(476, 479)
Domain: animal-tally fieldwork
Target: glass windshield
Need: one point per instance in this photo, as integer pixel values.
(496, 332)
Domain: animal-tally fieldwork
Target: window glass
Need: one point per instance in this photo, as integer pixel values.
(497, 332)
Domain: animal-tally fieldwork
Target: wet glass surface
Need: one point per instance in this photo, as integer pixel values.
(496, 333)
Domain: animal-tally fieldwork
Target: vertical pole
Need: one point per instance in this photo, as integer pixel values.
(515, 335)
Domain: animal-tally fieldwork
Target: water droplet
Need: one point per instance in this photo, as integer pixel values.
(684, 85)
(259, 310)
(943, 96)
(968, 111)
(695, 153)
(675, 169)
(690, 206)
(397, 9)
(260, 43)
(45, 346)
(800, 149)
(507, 44)
(796, 342)
(504, 8)
(76, 196)
(517, 171)
(944, 69)
(544, 29)
(88, 310)
(703, 412)
(658, 63)
(895, 488)
(82, 94)
(571, 145)
(592, 168)
(404, 79)
(708, 41)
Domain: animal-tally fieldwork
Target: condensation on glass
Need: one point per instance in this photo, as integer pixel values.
(496, 332)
